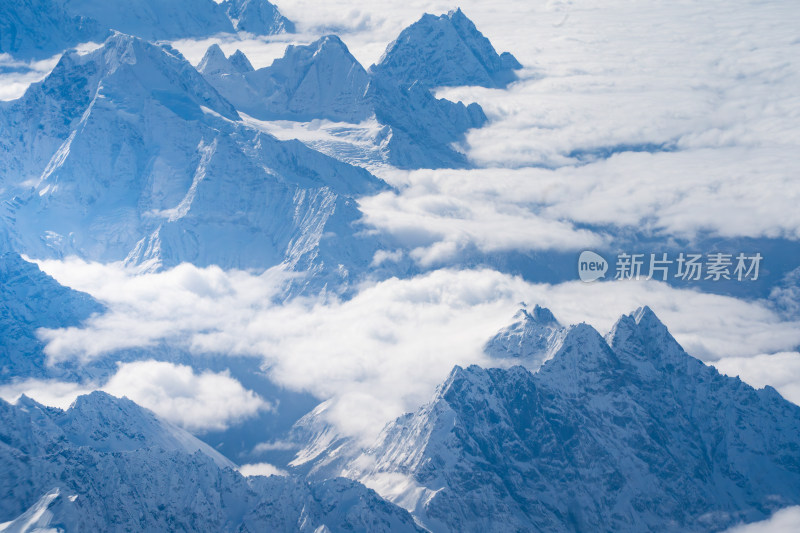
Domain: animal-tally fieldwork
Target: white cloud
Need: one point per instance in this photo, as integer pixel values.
(16, 76)
(382, 352)
(195, 402)
(155, 307)
(54, 393)
(439, 212)
(261, 469)
(783, 521)
(274, 445)
(443, 212)
(779, 370)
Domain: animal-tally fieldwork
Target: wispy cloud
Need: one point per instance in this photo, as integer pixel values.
(783, 521)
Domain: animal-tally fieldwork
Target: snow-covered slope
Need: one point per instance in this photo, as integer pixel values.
(29, 300)
(36, 29)
(108, 465)
(155, 19)
(257, 16)
(140, 158)
(445, 51)
(629, 435)
(424, 129)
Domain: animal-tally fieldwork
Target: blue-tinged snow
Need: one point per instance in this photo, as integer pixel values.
(533, 338)
(627, 433)
(106, 464)
(447, 50)
(38, 29)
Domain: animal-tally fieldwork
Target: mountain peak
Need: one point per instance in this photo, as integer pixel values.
(540, 315)
(240, 62)
(134, 70)
(447, 50)
(529, 340)
(641, 336)
(318, 80)
(127, 471)
(107, 423)
(645, 316)
(215, 62)
(593, 440)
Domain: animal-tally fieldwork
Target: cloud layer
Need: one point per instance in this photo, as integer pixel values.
(197, 402)
(382, 352)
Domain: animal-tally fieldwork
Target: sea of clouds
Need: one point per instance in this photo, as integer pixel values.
(673, 118)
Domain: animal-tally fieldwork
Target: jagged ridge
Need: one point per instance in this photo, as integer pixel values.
(627, 434)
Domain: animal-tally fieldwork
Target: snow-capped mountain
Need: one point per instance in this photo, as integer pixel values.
(624, 434)
(37, 29)
(323, 80)
(445, 51)
(106, 464)
(139, 158)
(257, 16)
(29, 300)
